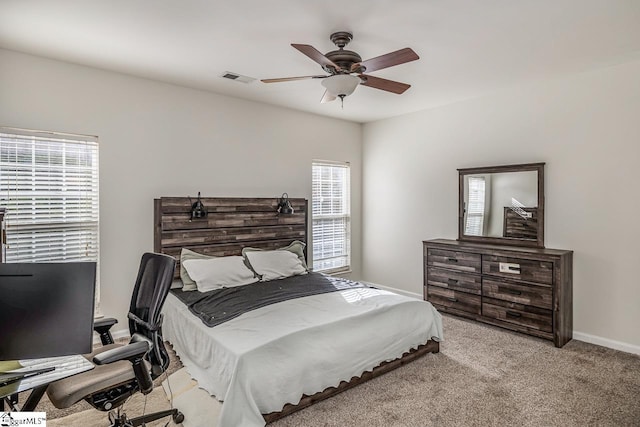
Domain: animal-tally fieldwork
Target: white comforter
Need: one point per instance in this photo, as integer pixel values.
(271, 356)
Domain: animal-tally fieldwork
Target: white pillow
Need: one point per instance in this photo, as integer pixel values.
(220, 272)
(272, 265)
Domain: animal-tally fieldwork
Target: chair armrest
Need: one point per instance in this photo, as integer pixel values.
(102, 327)
(130, 352)
(104, 322)
(133, 352)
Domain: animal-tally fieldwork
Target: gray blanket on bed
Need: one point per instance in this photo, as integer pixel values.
(218, 306)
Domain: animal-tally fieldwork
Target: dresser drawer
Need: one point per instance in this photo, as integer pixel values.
(458, 281)
(539, 296)
(532, 294)
(463, 261)
(458, 300)
(518, 314)
(518, 268)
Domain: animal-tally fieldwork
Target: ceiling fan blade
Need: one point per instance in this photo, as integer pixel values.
(384, 84)
(289, 79)
(327, 97)
(315, 54)
(389, 60)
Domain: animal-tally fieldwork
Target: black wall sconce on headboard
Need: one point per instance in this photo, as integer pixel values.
(284, 205)
(197, 209)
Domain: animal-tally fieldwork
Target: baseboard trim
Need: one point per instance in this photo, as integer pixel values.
(606, 342)
(580, 336)
(396, 290)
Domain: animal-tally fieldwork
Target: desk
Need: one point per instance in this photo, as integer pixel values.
(65, 366)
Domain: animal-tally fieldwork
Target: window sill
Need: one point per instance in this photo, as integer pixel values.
(335, 272)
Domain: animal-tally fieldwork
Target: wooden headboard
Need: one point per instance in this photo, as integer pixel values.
(232, 224)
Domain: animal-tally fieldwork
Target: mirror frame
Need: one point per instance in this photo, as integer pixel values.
(538, 167)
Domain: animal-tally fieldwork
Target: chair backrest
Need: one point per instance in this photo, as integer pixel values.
(152, 286)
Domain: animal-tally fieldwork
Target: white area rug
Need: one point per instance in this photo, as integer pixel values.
(198, 407)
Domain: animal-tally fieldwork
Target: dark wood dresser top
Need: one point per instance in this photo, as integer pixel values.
(487, 248)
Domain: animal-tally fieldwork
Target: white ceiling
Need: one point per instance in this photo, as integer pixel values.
(467, 47)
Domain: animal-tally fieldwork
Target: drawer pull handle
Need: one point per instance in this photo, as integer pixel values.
(453, 299)
(513, 314)
(508, 267)
(452, 259)
(452, 281)
(512, 292)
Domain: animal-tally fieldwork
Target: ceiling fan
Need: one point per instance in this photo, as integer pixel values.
(346, 68)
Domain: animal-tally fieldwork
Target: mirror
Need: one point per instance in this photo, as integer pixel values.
(502, 204)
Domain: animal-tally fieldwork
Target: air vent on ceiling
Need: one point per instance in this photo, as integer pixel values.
(237, 77)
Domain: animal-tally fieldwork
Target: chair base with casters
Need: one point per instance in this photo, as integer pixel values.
(123, 370)
(121, 420)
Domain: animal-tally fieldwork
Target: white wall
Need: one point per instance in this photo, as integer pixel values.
(586, 127)
(523, 186)
(162, 140)
(157, 139)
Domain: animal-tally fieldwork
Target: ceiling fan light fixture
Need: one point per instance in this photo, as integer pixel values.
(341, 84)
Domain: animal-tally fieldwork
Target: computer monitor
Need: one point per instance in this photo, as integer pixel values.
(46, 309)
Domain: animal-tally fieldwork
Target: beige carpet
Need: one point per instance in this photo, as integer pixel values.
(483, 376)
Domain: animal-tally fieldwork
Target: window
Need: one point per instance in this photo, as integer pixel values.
(49, 186)
(476, 205)
(330, 215)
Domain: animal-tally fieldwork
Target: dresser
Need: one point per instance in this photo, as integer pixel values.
(528, 290)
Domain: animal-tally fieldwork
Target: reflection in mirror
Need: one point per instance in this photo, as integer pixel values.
(503, 204)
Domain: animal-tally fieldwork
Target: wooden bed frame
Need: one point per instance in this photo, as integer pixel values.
(235, 223)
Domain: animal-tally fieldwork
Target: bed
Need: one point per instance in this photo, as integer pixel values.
(283, 357)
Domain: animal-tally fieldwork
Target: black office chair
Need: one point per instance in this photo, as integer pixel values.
(122, 370)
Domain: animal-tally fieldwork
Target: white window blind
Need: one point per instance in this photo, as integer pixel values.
(475, 207)
(49, 186)
(331, 217)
